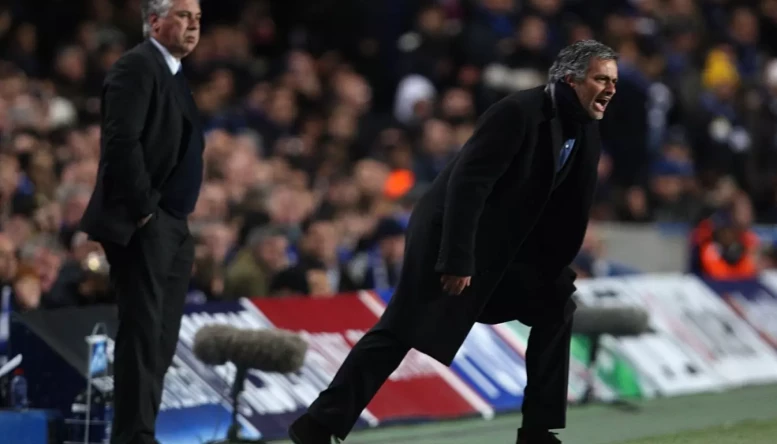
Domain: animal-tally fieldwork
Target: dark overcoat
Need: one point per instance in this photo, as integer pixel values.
(501, 213)
(146, 120)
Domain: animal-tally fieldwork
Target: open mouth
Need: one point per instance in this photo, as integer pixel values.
(600, 104)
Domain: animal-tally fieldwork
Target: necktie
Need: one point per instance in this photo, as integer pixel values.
(183, 87)
(563, 156)
(183, 84)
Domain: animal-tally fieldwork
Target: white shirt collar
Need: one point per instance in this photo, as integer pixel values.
(172, 63)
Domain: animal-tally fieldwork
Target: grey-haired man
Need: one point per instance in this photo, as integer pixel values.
(148, 182)
(490, 242)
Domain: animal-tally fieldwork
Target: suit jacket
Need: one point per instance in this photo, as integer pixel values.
(501, 213)
(146, 121)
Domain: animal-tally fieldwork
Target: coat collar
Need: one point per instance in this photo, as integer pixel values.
(549, 103)
(550, 115)
(169, 83)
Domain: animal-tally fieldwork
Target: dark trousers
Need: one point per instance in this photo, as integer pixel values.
(379, 353)
(150, 277)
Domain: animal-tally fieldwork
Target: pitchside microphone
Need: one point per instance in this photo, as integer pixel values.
(616, 321)
(208, 343)
(275, 351)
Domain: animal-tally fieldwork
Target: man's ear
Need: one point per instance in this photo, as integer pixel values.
(153, 20)
(569, 80)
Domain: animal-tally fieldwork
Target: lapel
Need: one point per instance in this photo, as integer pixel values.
(584, 157)
(582, 164)
(170, 84)
(556, 134)
(186, 99)
(576, 158)
(554, 126)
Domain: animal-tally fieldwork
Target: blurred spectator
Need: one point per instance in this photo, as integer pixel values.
(380, 265)
(318, 251)
(722, 142)
(768, 258)
(640, 113)
(326, 121)
(672, 185)
(428, 47)
(592, 262)
(414, 100)
(437, 149)
(8, 263)
(764, 178)
(310, 278)
(727, 248)
(256, 264)
(602, 208)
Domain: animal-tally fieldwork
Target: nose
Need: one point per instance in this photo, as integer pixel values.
(610, 88)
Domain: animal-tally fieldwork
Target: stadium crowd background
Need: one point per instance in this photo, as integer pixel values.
(326, 120)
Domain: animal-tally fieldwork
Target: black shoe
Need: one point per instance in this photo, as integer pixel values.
(537, 437)
(306, 430)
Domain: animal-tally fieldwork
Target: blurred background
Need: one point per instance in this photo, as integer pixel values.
(326, 120)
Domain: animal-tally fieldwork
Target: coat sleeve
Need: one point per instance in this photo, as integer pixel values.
(483, 160)
(126, 104)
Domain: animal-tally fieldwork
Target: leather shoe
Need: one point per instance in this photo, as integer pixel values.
(306, 430)
(536, 437)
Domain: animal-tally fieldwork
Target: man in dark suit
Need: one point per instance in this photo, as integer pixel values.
(490, 242)
(148, 182)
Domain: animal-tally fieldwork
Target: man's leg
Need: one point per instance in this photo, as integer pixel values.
(371, 361)
(138, 274)
(547, 367)
(175, 289)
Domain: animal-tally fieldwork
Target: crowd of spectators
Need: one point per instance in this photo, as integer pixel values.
(327, 119)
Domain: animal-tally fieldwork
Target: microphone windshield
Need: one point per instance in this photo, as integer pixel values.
(276, 351)
(211, 343)
(616, 321)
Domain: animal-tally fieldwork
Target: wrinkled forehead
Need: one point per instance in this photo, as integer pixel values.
(190, 6)
(603, 69)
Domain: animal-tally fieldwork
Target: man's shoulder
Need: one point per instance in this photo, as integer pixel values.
(528, 104)
(529, 100)
(139, 57)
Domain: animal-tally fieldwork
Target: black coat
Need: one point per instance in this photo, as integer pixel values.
(500, 213)
(146, 121)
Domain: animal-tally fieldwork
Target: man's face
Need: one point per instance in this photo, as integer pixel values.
(393, 249)
(179, 30)
(597, 88)
(272, 252)
(318, 283)
(322, 241)
(7, 259)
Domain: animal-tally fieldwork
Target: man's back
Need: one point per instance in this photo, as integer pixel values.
(529, 102)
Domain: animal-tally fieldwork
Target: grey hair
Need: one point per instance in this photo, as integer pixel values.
(261, 234)
(575, 59)
(28, 251)
(153, 7)
(67, 192)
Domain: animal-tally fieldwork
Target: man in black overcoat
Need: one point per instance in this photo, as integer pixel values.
(491, 242)
(148, 182)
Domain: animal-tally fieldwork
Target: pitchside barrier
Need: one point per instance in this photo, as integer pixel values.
(704, 337)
